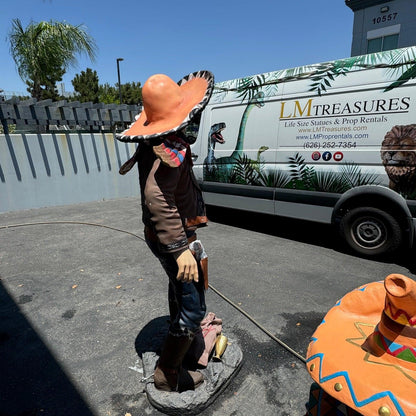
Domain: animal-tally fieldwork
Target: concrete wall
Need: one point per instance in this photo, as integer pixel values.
(39, 170)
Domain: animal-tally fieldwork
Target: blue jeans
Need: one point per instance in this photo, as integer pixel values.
(186, 300)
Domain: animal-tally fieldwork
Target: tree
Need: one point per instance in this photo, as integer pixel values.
(107, 94)
(86, 86)
(49, 83)
(44, 51)
(131, 93)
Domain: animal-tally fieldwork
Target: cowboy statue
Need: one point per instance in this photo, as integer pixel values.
(363, 355)
(172, 210)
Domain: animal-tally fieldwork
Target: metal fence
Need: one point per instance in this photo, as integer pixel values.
(47, 115)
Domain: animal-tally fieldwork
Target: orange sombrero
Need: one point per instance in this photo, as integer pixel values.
(169, 106)
(364, 351)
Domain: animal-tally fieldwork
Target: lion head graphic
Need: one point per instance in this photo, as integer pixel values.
(398, 154)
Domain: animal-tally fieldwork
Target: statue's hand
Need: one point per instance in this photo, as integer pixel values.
(187, 266)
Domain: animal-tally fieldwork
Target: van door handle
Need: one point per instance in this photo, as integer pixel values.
(194, 157)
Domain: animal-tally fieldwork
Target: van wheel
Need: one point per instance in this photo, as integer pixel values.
(371, 231)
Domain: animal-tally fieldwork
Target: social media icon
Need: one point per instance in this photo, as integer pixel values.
(316, 156)
(338, 156)
(327, 156)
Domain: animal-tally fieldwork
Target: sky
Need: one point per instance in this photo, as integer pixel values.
(230, 38)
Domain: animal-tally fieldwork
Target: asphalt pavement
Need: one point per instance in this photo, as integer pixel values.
(79, 288)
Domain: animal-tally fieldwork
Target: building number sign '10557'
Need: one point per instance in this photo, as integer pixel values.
(385, 18)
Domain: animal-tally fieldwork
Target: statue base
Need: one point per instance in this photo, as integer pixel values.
(217, 376)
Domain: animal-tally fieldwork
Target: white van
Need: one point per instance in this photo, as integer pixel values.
(333, 142)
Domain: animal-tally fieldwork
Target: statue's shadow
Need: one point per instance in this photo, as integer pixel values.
(151, 337)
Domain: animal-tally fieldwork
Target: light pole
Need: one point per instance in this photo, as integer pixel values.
(118, 73)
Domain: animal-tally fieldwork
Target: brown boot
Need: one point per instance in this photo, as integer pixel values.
(169, 375)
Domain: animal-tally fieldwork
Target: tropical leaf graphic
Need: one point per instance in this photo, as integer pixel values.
(299, 176)
(351, 173)
(325, 74)
(399, 63)
(245, 171)
(300, 172)
(328, 181)
(274, 178)
(401, 60)
(408, 75)
(248, 87)
(297, 165)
